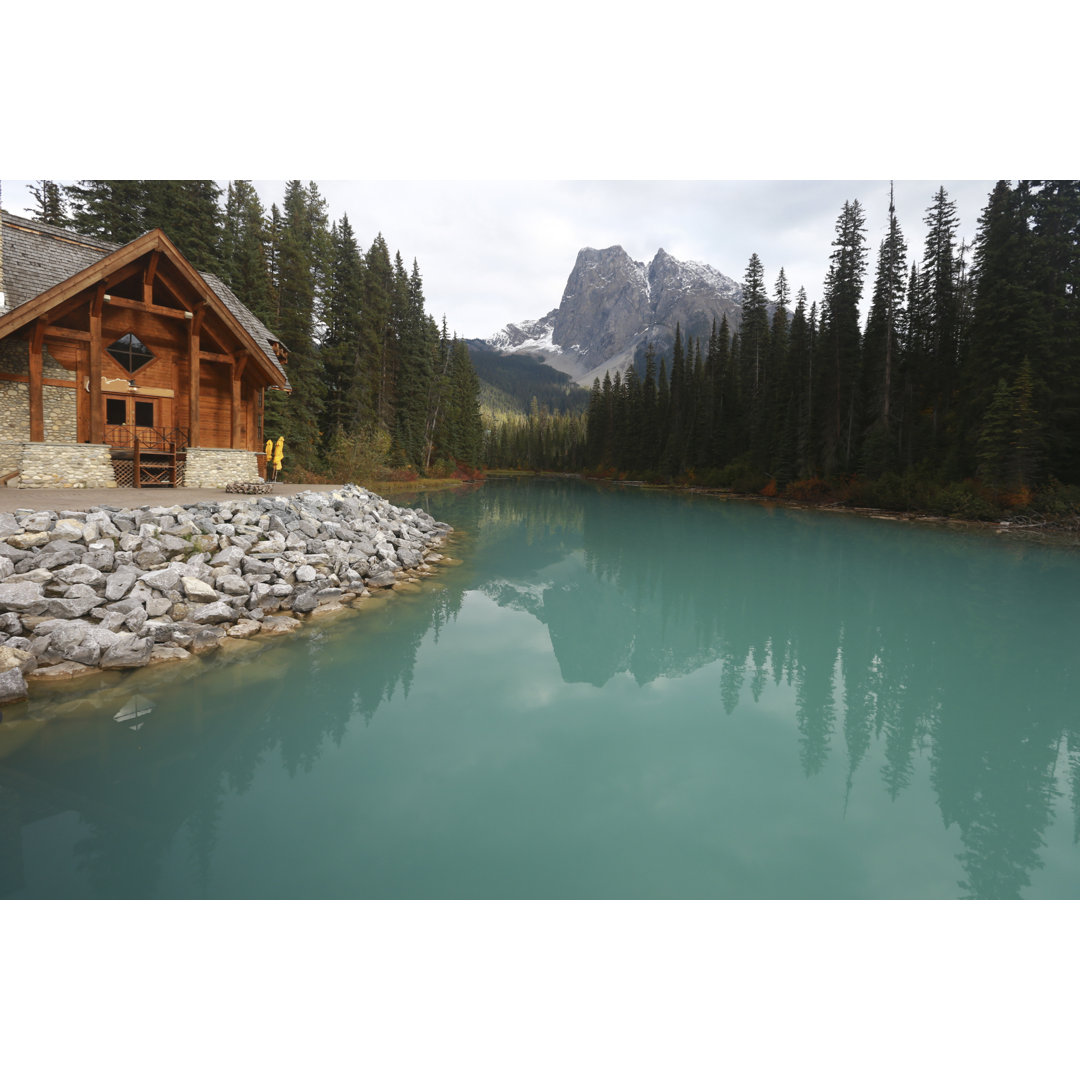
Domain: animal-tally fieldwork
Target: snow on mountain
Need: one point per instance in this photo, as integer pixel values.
(613, 306)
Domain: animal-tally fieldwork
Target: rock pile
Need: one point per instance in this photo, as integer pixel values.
(112, 588)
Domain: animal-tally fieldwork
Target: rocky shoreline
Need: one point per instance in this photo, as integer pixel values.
(111, 588)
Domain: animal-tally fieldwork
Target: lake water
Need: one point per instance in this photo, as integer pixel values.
(616, 694)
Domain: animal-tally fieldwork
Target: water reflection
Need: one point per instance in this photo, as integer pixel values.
(956, 642)
(922, 645)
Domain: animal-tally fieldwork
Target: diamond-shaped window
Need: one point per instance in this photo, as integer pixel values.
(130, 353)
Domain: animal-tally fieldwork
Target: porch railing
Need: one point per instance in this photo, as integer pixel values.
(125, 436)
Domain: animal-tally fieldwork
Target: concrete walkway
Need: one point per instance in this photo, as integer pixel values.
(12, 499)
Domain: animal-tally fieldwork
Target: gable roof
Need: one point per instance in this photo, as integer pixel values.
(38, 259)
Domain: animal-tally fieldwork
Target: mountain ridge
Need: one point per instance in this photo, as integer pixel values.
(613, 306)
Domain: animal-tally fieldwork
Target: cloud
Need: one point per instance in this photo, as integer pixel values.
(497, 251)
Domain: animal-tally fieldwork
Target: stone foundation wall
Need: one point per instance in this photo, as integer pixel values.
(14, 411)
(65, 465)
(10, 457)
(216, 468)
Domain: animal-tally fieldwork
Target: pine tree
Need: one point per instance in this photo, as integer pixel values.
(51, 203)
(189, 213)
(882, 347)
(840, 341)
(939, 362)
(245, 248)
(460, 438)
(800, 357)
(1055, 280)
(109, 209)
(1010, 441)
(675, 431)
(371, 394)
(301, 254)
(781, 445)
(340, 342)
(648, 451)
(418, 347)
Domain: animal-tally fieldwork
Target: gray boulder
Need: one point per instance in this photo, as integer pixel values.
(12, 686)
(25, 597)
(128, 651)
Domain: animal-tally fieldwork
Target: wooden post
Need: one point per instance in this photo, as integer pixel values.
(82, 403)
(236, 403)
(97, 403)
(136, 460)
(194, 326)
(148, 278)
(37, 403)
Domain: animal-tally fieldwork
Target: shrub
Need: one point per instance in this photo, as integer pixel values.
(357, 457)
(808, 489)
(742, 478)
(1055, 499)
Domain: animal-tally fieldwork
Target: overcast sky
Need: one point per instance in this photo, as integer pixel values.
(497, 251)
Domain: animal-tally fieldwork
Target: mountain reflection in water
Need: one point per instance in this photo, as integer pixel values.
(920, 661)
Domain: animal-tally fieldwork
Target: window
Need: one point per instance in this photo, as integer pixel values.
(144, 414)
(130, 353)
(115, 411)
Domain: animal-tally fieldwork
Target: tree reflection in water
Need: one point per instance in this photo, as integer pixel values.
(930, 644)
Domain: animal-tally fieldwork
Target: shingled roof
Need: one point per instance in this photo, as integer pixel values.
(37, 257)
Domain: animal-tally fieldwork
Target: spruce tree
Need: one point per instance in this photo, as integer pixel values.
(300, 256)
(341, 339)
(109, 209)
(245, 249)
(51, 203)
(840, 341)
(939, 367)
(882, 348)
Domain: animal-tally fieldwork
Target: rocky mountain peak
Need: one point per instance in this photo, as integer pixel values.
(613, 306)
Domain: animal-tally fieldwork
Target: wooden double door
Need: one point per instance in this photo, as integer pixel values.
(131, 416)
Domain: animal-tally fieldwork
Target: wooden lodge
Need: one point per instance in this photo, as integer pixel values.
(122, 365)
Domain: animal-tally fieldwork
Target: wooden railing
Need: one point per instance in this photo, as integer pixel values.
(125, 436)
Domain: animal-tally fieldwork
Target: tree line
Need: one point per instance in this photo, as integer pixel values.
(961, 387)
(376, 382)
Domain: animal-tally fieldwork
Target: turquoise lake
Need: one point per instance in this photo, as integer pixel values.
(613, 693)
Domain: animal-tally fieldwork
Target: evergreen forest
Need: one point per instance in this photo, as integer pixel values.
(942, 378)
(379, 389)
(959, 393)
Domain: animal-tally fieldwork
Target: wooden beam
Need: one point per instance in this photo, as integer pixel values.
(97, 404)
(37, 402)
(153, 309)
(194, 328)
(148, 277)
(82, 398)
(81, 300)
(234, 410)
(65, 333)
(69, 384)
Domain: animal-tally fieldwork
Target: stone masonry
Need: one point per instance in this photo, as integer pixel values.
(217, 468)
(64, 465)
